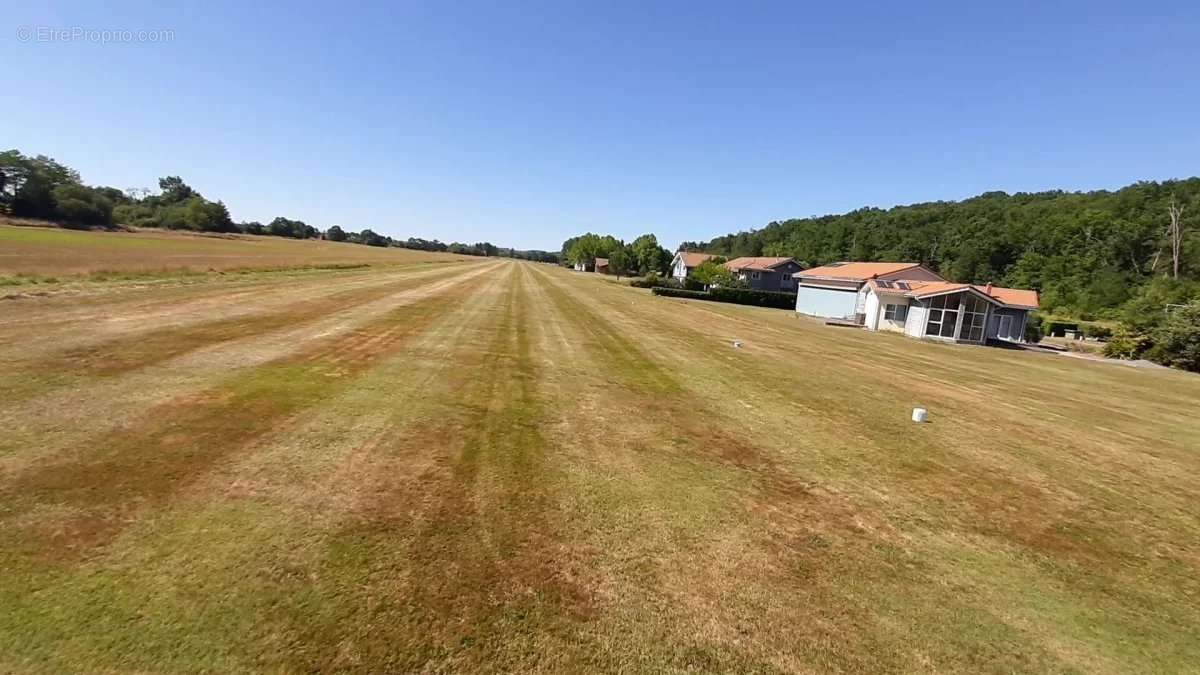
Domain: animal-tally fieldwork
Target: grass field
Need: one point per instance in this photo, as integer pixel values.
(502, 466)
(38, 252)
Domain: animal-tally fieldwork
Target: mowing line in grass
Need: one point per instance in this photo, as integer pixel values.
(482, 563)
(121, 355)
(102, 404)
(265, 521)
(130, 469)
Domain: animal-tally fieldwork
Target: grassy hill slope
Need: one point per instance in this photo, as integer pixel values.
(51, 251)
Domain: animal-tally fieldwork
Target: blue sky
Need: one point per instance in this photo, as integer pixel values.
(523, 124)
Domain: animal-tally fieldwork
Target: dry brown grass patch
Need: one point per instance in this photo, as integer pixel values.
(133, 469)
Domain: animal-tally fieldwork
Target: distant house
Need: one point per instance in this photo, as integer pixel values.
(601, 266)
(584, 266)
(910, 299)
(766, 274)
(685, 261)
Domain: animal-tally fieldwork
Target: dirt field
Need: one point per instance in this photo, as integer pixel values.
(504, 466)
(55, 252)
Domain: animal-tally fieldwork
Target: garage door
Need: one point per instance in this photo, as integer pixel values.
(826, 302)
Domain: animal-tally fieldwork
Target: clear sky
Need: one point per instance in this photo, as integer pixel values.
(525, 123)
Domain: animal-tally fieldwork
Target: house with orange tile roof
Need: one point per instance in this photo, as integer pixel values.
(766, 274)
(685, 261)
(910, 299)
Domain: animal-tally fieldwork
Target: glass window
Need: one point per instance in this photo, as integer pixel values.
(895, 312)
(973, 319)
(754, 275)
(943, 316)
(949, 321)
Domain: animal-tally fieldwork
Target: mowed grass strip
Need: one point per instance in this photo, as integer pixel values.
(852, 396)
(557, 473)
(113, 357)
(743, 551)
(469, 566)
(435, 543)
(984, 488)
(231, 571)
(93, 496)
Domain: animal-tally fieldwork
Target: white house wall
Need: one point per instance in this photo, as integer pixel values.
(914, 325)
(888, 324)
(871, 309)
(681, 270)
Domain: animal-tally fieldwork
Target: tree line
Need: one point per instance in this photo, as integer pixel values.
(642, 256)
(42, 188)
(481, 249)
(1087, 253)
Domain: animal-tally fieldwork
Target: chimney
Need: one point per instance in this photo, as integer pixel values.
(988, 289)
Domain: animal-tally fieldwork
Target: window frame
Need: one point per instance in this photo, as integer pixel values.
(974, 319)
(946, 317)
(1004, 326)
(899, 312)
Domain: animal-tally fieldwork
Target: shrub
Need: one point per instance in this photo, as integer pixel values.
(649, 281)
(136, 215)
(1126, 344)
(680, 293)
(1177, 340)
(711, 273)
(1058, 327)
(254, 227)
(82, 206)
(1146, 310)
(737, 296)
(1096, 331)
(746, 296)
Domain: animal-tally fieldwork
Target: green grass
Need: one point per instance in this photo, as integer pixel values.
(516, 468)
(38, 253)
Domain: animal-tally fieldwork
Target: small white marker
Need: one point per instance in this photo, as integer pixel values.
(919, 415)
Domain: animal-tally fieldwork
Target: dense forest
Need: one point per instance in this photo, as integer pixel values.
(42, 188)
(1089, 254)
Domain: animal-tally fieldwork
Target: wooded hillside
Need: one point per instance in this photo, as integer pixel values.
(1088, 253)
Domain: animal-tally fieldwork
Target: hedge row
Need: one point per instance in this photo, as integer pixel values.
(653, 280)
(737, 296)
